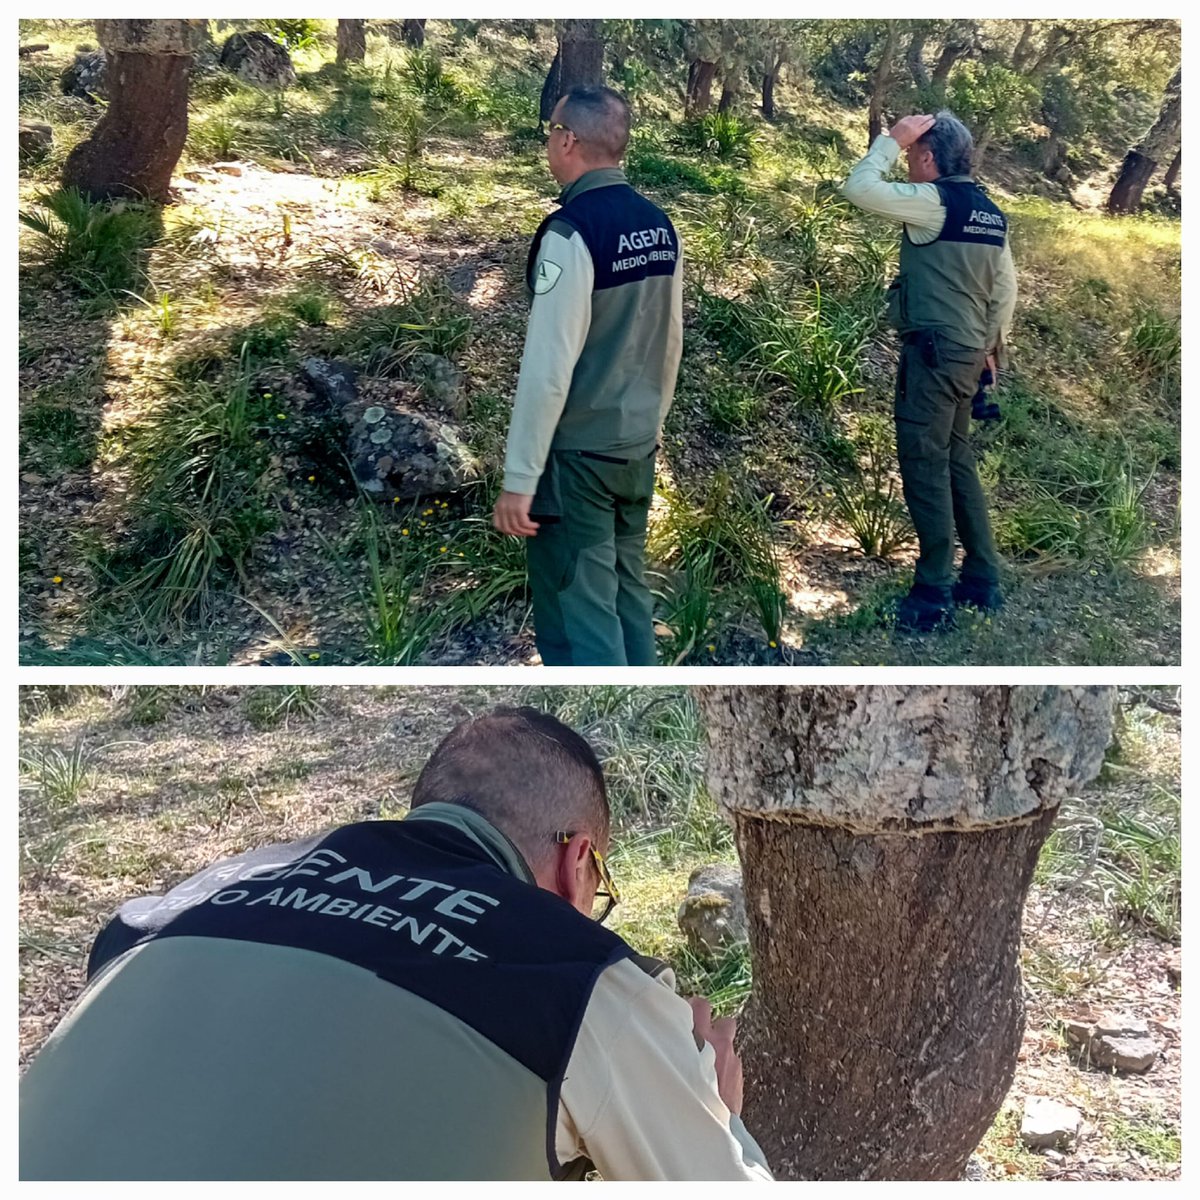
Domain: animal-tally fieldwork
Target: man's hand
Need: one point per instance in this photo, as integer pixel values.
(990, 362)
(511, 515)
(719, 1034)
(908, 129)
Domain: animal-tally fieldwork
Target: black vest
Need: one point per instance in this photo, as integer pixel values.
(420, 905)
(629, 238)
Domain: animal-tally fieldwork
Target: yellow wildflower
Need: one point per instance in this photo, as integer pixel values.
(58, 579)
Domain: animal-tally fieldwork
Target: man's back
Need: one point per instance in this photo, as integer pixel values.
(384, 1003)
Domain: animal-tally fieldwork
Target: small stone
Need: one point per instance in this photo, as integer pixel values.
(34, 139)
(1175, 970)
(975, 1171)
(228, 168)
(333, 380)
(33, 480)
(713, 914)
(199, 175)
(385, 465)
(1048, 1124)
(1132, 1054)
(374, 415)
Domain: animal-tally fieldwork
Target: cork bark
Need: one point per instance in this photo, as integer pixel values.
(135, 146)
(888, 837)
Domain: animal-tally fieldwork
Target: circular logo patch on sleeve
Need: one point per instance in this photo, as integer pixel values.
(547, 276)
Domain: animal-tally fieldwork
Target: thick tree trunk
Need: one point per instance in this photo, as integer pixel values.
(883, 73)
(698, 100)
(888, 836)
(413, 32)
(915, 57)
(909, 1031)
(1161, 142)
(351, 41)
(1172, 176)
(550, 89)
(729, 95)
(768, 96)
(1023, 50)
(582, 48)
(953, 51)
(135, 146)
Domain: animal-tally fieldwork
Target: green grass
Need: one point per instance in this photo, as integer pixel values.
(271, 707)
(786, 368)
(97, 247)
(1158, 1140)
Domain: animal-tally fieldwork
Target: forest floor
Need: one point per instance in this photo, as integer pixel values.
(125, 791)
(363, 204)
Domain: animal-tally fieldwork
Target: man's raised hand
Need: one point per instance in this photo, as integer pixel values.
(511, 515)
(908, 129)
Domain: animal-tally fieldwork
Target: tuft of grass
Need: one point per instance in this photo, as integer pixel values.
(198, 508)
(430, 320)
(868, 503)
(270, 707)
(721, 135)
(62, 776)
(1148, 1135)
(98, 247)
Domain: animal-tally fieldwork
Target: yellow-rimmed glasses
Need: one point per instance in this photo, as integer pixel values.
(607, 891)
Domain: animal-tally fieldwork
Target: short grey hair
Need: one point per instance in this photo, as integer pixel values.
(950, 143)
(599, 117)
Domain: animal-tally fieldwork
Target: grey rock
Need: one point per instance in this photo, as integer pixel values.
(87, 76)
(335, 381)
(713, 913)
(256, 59)
(34, 140)
(406, 455)
(441, 382)
(1114, 1042)
(975, 1171)
(1048, 1124)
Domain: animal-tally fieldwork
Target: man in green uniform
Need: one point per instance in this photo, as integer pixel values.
(952, 304)
(597, 377)
(431, 998)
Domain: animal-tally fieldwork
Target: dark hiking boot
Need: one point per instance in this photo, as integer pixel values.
(924, 609)
(978, 594)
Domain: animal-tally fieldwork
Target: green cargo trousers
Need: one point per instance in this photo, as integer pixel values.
(936, 380)
(591, 605)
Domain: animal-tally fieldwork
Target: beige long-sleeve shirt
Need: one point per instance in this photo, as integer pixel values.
(920, 207)
(639, 1099)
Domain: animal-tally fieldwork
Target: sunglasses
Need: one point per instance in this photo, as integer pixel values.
(557, 126)
(607, 891)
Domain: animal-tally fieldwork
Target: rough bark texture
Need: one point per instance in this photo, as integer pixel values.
(888, 836)
(413, 32)
(729, 95)
(550, 89)
(351, 41)
(915, 57)
(134, 147)
(699, 88)
(1159, 145)
(582, 49)
(877, 758)
(886, 966)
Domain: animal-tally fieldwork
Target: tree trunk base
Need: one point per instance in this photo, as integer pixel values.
(134, 147)
(887, 1013)
(1136, 170)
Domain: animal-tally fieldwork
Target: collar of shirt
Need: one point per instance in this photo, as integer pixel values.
(598, 178)
(481, 831)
